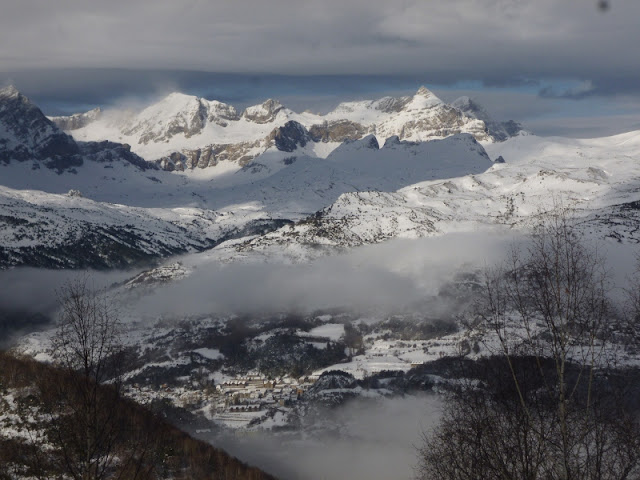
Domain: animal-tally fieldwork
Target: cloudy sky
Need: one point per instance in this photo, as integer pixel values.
(552, 60)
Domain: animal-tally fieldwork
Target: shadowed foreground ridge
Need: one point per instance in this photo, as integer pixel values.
(150, 448)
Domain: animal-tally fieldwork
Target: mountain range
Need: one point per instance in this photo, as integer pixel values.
(366, 172)
(79, 200)
(185, 132)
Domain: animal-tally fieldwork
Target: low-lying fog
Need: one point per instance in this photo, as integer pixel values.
(371, 439)
(361, 440)
(388, 276)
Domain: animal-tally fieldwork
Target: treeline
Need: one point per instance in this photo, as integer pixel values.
(44, 437)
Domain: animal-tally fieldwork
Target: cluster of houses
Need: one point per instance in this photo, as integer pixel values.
(247, 393)
(254, 392)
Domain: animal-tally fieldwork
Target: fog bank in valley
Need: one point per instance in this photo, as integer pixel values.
(367, 439)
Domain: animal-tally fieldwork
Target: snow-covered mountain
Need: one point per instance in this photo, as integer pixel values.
(98, 204)
(27, 135)
(303, 188)
(38, 226)
(598, 178)
(186, 132)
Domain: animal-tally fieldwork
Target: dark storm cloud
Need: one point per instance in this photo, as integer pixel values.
(492, 40)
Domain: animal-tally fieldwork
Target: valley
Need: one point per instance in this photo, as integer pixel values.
(277, 268)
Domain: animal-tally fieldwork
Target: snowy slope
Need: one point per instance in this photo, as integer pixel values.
(68, 231)
(200, 214)
(599, 178)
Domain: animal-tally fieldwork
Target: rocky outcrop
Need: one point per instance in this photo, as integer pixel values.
(392, 104)
(290, 136)
(444, 121)
(395, 140)
(106, 152)
(337, 131)
(221, 113)
(264, 113)
(211, 155)
(77, 120)
(26, 134)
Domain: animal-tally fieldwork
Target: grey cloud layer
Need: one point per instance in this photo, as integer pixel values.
(488, 39)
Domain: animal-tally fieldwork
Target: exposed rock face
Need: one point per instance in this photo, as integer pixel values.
(393, 140)
(175, 161)
(337, 131)
(286, 139)
(106, 151)
(500, 131)
(392, 105)
(290, 136)
(178, 114)
(77, 120)
(199, 158)
(264, 113)
(26, 134)
(442, 122)
(221, 113)
(209, 156)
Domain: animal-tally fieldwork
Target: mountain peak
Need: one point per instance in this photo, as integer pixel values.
(264, 113)
(177, 101)
(272, 105)
(25, 132)
(500, 131)
(423, 99)
(8, 92)
(424, 92)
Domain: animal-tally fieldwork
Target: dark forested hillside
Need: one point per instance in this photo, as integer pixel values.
(38, 442)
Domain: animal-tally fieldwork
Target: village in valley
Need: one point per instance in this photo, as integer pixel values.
(251, 399)
(234, 403)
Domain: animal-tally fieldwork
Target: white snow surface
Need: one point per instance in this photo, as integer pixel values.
(331, 331)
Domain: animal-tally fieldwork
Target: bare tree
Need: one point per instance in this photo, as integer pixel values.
(549, 406)
(88, 334)
(87, 344)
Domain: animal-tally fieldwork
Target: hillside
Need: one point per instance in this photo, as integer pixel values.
(148, 447)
